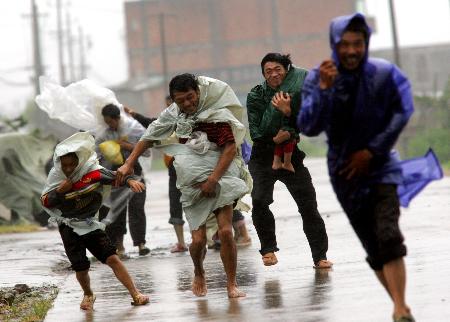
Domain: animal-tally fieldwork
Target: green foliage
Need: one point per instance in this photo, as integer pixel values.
(437, 139)
(19, 228)
(31, 306)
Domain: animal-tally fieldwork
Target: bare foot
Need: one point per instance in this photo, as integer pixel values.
(140, 299)
(276, 165)
(234, 292)
(288, 167)
(323, 264)
(242, 242)
(199, 285)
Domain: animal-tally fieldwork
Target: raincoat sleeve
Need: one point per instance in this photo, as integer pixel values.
(261, 116)
(401, 105)
(315, 107)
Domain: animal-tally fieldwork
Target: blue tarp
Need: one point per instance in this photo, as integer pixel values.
(417, 173)
(246, 151)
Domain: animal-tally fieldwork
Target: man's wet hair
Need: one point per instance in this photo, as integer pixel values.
(358, 25)
(283, 60)
(70, 155)
(183, 83)
(111, 111)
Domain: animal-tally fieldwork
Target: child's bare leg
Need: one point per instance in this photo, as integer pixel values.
(85, 282)
(276, 165)
(124, 277)
(287, 165)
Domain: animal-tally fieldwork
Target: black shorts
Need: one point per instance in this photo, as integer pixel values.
(376, 225)
(97, 242)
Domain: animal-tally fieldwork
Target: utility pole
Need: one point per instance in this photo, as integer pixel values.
(275, 26)
(62, 73)
(394, 33)
(82, 53)
(70, 46)
(162, 35)
(144, 32)
(38, 68)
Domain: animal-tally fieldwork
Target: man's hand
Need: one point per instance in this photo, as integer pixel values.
(281, 136)
(125, 145)
(122, 172)
(136, 186)
(64, 186)
(129, 110)
(327, 74)
(282, 102)
(357, 165)
(207, 187)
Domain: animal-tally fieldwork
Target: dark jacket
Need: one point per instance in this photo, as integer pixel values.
(264, 120)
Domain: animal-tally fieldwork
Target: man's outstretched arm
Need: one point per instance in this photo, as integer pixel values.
(127, 167)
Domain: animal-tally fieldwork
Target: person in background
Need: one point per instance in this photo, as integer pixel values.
(126, 134)
(175, 209)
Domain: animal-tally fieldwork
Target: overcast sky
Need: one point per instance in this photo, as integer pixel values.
(419, 22)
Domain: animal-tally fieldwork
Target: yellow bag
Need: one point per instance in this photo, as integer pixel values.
(111, 151)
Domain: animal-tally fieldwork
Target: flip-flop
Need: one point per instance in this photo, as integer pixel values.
(405, 319)
(87, 303)
(178, 248)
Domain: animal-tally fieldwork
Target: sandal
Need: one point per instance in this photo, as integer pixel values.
(140, 299)
(242, 242)
(87, 303)
(323, 263)
(409, 318)
(143, 250)
(269, 259)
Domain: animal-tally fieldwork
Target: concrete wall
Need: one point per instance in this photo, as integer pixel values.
(427, 67)
(227, 39)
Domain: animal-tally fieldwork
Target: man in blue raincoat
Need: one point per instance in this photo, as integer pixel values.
(363, 104)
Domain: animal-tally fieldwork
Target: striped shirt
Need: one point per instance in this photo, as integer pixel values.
(219, 133)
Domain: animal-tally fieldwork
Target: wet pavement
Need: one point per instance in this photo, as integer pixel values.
(289, 291)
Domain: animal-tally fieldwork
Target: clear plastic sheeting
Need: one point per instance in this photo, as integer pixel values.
(22, 168)
(78, 105)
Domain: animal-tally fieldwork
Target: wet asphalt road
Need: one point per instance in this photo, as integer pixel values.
(290, 291)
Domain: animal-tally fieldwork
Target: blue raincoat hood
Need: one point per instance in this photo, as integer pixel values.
(337, 28)
(381, 108)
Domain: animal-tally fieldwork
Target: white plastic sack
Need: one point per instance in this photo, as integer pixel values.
(199, 142)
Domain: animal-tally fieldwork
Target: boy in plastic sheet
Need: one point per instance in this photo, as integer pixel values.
(72, 196)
